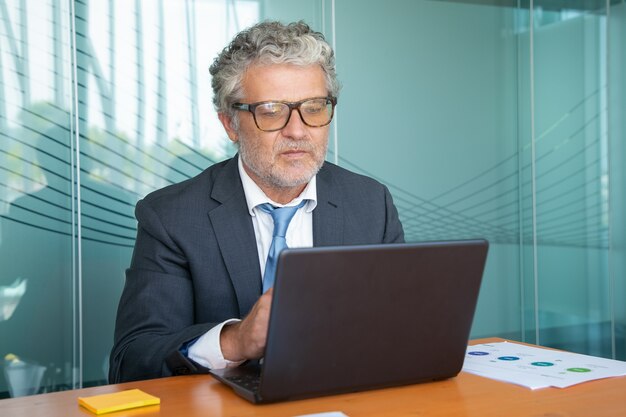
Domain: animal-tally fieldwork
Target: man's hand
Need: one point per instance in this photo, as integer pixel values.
(246, 339)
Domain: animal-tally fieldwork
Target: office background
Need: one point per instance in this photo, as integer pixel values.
(501, 119)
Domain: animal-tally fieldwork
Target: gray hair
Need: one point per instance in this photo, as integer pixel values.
(269, 42)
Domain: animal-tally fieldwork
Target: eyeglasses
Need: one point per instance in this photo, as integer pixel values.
(270, 116)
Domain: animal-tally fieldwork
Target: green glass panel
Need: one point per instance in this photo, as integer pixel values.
(617, 171)
(430, 107)
(571, 168)
(37, 278)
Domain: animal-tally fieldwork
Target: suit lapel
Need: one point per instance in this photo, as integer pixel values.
(235, 235)
(328, 215)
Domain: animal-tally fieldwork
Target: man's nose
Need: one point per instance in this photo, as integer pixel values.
(295, 127)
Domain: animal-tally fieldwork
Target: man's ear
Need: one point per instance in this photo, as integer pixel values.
(227, 122)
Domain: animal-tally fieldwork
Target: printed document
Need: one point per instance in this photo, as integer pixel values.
(536, 367)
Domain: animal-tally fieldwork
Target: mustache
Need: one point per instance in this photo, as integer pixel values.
(294, 145)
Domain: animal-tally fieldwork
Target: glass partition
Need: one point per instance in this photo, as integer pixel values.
(38, 230)
(494, 120)
(616, 92)
(430, 107)
(570, 161)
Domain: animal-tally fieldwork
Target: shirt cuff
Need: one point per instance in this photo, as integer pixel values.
(206, 350)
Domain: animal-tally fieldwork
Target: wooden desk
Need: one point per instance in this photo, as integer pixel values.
(465, 395)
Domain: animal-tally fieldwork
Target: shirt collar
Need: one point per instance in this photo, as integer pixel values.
(255, 196)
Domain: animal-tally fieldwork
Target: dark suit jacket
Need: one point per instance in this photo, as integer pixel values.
(195, 262)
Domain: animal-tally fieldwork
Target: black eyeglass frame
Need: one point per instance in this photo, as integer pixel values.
(293, 105)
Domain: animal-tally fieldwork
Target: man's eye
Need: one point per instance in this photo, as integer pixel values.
(269, 111)
(314, 109)
(314, 106)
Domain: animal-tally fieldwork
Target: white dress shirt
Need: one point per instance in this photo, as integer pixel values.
(207, 350)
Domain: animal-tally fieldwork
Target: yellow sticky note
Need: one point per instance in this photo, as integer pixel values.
(123, 400)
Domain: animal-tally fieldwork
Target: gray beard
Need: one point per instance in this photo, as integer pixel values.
(273, 178)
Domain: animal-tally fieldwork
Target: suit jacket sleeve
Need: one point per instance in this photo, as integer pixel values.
(195, 265)
(152, 322)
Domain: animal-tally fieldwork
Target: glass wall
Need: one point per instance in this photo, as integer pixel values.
(569, 172)
(38, 224)
(502, 122)
(484, 120)
(616, 109)
(441, 128)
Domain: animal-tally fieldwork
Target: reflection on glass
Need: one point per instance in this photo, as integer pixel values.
(24, 378)
(36, 226)
(10, 297)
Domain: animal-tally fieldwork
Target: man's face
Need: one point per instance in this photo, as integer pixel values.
(289, 157)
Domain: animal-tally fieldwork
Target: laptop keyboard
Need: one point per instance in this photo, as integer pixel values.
(250, 382)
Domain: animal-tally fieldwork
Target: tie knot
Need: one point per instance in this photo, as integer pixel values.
(281, 216)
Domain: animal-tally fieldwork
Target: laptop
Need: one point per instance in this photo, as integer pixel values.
(354, 318)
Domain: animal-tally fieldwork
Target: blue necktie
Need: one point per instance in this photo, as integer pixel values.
(281, 216)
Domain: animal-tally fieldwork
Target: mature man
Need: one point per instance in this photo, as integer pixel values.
(204, 247)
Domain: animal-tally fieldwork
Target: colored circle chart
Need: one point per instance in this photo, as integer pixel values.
(478, 353)
(542, 363)
(579, 370)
